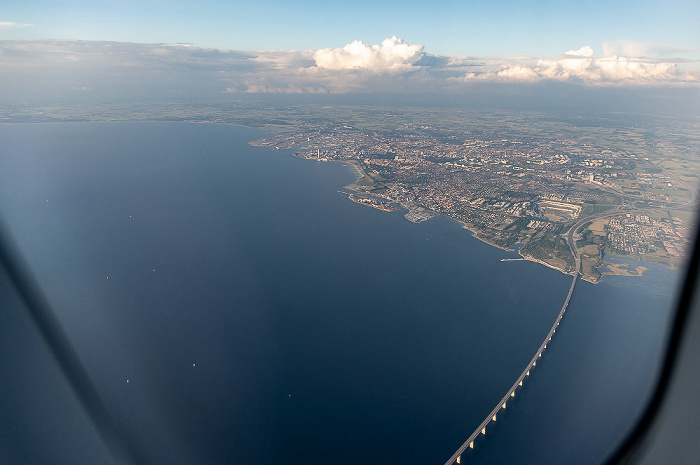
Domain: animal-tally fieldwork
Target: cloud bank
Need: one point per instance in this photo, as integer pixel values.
(394, 66)
(584, 66)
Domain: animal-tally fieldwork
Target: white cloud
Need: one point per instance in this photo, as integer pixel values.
(393, 54)
(521, 73)
(583, 66)
(113, 68)
(623, 68)
(585, 51)
(631, 48)
(628, 48)
(285, 59)
(8, 25)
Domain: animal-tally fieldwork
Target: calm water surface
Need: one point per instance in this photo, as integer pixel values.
(259, 315)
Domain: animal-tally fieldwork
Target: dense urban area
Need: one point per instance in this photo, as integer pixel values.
(523, 181)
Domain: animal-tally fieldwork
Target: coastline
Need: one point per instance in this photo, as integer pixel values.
(418, 214)
(373, 202)
(532, 259)
(357, 167)
(475, 233)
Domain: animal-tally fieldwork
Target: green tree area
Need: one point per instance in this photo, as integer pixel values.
(591, 245)
(550, 249)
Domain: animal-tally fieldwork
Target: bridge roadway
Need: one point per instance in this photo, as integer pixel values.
(481, 429)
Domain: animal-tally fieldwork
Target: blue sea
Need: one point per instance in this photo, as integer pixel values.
(233, 308)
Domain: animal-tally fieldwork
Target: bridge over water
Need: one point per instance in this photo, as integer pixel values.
(481, 429)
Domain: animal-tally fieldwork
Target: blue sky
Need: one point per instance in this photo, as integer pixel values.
(482, 28)
(266, 46)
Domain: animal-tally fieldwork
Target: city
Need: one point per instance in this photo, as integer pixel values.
(513, 187)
